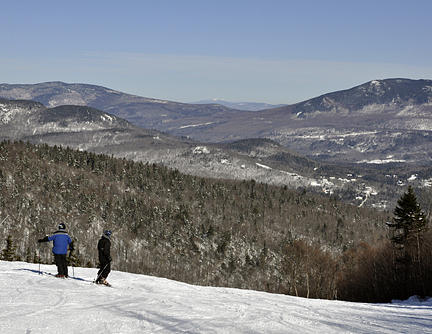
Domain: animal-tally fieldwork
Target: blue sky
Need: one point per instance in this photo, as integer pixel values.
(186, 50)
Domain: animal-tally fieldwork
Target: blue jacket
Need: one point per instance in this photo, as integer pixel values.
(61, 241)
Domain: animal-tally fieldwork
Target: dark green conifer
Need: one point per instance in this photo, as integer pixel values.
(408, 227)
(8, 253)
(409, 219)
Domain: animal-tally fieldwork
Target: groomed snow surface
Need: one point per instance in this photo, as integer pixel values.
(34, 303)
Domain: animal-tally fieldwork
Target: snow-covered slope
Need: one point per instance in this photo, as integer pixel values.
(34, 303)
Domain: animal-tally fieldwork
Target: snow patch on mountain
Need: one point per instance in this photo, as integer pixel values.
(70, 98)
(427, 183)
(9, 113)
(263, 166)
(195, 125)
(201, 150)
(107, 118)
(70, 127)
(380, 161)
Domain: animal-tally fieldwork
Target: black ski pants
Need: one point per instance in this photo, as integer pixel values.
(61, 263)
(104, 270)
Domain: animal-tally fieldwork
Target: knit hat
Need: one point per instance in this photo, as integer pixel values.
(62, 227)
(107, 233)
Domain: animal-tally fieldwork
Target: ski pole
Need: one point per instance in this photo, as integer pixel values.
(70, 259)
(39, 259)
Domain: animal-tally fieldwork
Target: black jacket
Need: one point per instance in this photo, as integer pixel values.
(104, 249)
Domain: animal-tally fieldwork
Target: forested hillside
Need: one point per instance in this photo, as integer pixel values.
(197, 230)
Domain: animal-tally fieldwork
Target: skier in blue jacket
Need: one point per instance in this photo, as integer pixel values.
(61, 241)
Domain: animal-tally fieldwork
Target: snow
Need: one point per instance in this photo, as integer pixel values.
(201, 150)
(34, 303)
(263, 166)
(195, 125)
(107, 118)
(380, 161)
(368, 191)
(427, 183)
(7, 113)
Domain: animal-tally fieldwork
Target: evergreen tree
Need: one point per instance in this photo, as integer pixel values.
(8, 253)
(408, 227)
(28, 256)
(409, 220)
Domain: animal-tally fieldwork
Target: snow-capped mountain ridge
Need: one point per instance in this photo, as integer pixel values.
(376, 93)
(19, 119)
(399, 111)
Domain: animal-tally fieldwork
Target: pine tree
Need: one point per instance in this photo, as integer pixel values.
(28, 256)
(9, 252)
(409, 221)
(408, 226)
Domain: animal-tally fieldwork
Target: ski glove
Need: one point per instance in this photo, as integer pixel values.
(43, 239)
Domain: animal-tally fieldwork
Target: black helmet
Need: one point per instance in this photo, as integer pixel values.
(62, 227)
(107, 233)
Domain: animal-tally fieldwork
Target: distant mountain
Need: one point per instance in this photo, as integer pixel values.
(145, 112)
(250, 106)
(260, 159)
(362, 144)
(79, 127)
(377, 122)
(390, 93)
(90, 129)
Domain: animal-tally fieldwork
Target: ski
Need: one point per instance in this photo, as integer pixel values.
(66, 278)
(100, 283)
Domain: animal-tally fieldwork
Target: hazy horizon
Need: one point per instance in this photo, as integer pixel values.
(277, 52)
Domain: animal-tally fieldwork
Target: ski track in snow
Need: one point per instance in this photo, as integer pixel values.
(34, 303)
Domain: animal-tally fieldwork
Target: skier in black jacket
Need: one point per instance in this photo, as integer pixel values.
(104, 250)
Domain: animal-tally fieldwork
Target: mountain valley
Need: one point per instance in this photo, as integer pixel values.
(362, 145)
